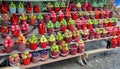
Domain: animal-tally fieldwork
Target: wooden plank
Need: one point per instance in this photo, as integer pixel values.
(98, 50)
(50, 60)
(16, 51)
(14, 67)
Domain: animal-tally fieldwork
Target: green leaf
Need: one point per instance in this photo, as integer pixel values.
(12, 5)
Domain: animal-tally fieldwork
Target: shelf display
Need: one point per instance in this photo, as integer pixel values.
(60, 31)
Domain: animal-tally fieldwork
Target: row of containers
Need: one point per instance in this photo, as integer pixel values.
(47, 40)
(55, 52)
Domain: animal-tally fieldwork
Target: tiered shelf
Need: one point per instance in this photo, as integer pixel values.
(38, 49)
(50, 60)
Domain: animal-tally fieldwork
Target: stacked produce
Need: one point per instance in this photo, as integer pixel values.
(63, 30)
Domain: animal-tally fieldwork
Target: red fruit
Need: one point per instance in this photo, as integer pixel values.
(56, 9)
(36, 8)
(61, 18)
(89, 7)
(63, 9)
(15, 33)
(28, 7)
(83, 26)
(89, 26)
(74, 16)
(63, 28)
(105, 24)
(4, 7)
(84, 5)
(53, 19)
(14, 19)
(110, 24)
(41, 28)
(70, 27)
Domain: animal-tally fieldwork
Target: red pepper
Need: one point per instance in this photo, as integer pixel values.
(36, 8)
(41, 28)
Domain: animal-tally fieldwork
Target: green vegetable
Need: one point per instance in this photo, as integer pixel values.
(97, 31)
(71, 22)
(12, 5)
(103, 31)
(95, 21)
(115, 19)
(84, 32)
(95, 4)
(105, 21)
(63, 22)
(50, 24)
(78, 4)
(89, 21)
(64, 46)
(76, 33)
(51, 38)
(57, 25)
(49, 5)
(62, 4)
(20, 5)
(68, 33)
(39, 16)
(56, 4)
(100, 4)
(54, 48)
(110, 20)
(33, 39)
(80, 13)
(43, 39)
(59, 36)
